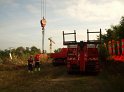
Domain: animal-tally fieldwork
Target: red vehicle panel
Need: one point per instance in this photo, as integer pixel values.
(59, 58)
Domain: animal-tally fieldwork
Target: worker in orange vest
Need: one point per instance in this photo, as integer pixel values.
(30, 64)
(37, 62)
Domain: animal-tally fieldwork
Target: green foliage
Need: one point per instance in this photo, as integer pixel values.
(19, 55)
(4, 55)
(57, 50)
(116, 32)
(34, 50)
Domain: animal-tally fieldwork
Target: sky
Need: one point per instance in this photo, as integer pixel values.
(20, 20)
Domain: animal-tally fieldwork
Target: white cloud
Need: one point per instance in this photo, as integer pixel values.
(88, 11)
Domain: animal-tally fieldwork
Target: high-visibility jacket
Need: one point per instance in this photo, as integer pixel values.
(37, 57)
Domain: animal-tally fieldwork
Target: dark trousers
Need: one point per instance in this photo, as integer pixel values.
(37, 64)
(30, 67)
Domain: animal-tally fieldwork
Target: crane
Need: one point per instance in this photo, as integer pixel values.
(51, 41)
(43, 21)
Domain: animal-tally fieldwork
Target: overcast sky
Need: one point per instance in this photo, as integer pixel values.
(20, 20)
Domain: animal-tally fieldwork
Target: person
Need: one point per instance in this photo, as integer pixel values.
(30, 64)
(37, 62)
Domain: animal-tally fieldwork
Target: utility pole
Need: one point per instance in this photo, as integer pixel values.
(10, 54)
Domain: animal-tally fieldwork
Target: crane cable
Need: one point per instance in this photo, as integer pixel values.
(43, 13)
(43, 9)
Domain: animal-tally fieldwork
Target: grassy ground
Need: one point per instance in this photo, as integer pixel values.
(55, 79)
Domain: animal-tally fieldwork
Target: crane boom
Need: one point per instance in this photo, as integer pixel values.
(51, 41)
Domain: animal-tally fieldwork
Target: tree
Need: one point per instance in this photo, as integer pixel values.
(19, 51)
(116, 32)
(35, 50)
(121, 28)
(57, 50)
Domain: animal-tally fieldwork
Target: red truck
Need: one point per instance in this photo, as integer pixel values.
(59, 58)
(82, 56)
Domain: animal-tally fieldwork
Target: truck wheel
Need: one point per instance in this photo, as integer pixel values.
(54, 63)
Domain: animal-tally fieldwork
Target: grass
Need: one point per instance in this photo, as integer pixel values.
(55, 79)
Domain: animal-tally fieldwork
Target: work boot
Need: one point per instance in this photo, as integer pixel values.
(35, 69)
(38, 69)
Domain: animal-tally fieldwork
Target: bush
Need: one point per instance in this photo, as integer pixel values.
(103, 53)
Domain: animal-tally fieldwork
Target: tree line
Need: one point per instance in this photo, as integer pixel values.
(19, 54)
(116, 33)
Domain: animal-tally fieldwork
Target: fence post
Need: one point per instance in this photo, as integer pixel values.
(118, 48)
(122, 46)
(113, 47)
